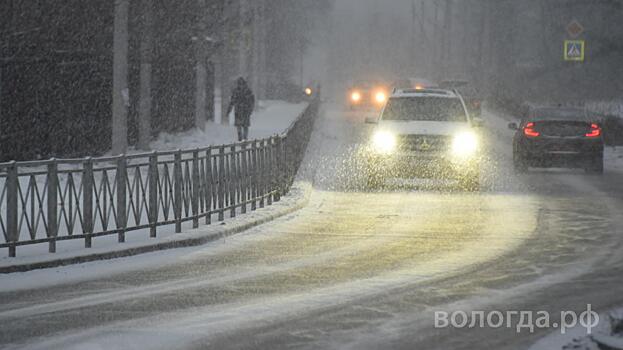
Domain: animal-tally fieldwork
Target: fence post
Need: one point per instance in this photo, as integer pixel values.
(270, 171)
(239, 177)
(233, 174)
(11, 207)
(287, 155)
(244, 177)
(284, 165)
(262, 169)
(52, 204)
(121, 197)
(153, 194)
(177, 194)
(209, 186)
(87, 201)
(196, 183)
(221, 183)
(254, 178)
(278, 178)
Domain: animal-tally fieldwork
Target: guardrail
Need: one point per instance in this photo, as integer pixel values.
(67, 199)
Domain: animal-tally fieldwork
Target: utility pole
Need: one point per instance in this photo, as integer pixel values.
(447, 36)
(438, 40)
(243, 47)
(425, 41)
(258, 42)
(412, 42)
(485, 28)
(263, 41)
(466, 42)
(301, 62)
(147, 53)
(227, 68)
(121, 94)
(201, 70)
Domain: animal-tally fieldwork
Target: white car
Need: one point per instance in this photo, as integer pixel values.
(425, 133)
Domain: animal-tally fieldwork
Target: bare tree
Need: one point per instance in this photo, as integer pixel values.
(201, 71)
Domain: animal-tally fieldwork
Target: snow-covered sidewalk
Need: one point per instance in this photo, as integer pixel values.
(577, 337)
(270, 118)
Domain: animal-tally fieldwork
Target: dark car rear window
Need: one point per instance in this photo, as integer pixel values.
(560, 114)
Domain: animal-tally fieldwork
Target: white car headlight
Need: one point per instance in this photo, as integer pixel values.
(380, 97)
(465, 144)
(384, 142)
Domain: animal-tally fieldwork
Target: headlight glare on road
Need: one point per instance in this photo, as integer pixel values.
(355, 96)
(384, 142)
(464, 144)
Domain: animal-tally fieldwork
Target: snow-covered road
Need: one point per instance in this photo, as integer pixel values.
(352, 270)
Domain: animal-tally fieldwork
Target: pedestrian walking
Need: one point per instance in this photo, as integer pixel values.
(243, 101)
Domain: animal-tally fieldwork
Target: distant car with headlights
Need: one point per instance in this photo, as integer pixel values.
(367, 95)
(425, 133)
(558, 137)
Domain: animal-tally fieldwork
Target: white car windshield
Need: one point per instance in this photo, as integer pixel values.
(440, 109)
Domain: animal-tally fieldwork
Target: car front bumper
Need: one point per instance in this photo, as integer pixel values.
(426, 165)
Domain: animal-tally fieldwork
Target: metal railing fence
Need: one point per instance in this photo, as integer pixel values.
(67, 199)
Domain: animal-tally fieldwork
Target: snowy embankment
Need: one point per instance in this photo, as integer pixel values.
(606, 107)
(607, 335)
(271, 118)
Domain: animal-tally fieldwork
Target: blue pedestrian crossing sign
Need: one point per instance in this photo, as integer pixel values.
(574, 50)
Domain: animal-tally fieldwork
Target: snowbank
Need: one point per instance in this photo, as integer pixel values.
(606, 107)
(271, 117)
(578, 339)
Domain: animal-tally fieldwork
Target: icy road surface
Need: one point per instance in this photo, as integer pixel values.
(353, 270)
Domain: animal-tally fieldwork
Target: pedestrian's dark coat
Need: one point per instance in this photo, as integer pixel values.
(243, 100)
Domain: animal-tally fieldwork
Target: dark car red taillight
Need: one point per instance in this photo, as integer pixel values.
(529, 131)
(594, 132)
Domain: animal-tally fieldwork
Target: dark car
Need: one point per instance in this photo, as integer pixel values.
(558, 137)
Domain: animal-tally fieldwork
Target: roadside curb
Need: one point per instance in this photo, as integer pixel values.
(297, 199)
